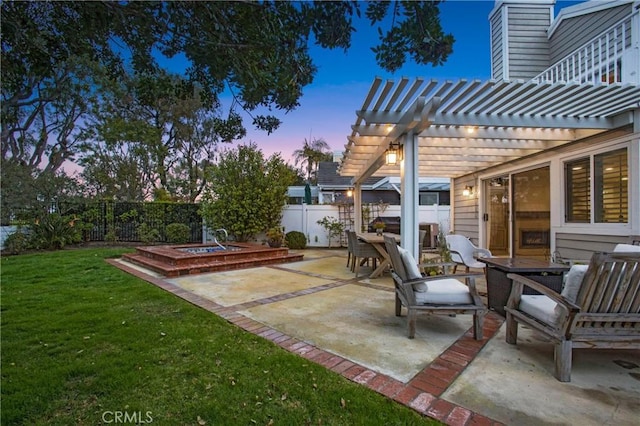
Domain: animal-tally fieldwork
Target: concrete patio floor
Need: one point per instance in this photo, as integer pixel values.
(318, 309)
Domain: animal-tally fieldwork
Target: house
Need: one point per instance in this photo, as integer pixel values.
(543, 158)
(332, 187)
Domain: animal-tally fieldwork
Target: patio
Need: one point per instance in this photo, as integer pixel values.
(316, 308)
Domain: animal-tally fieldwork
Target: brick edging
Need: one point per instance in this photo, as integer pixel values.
(422, 393)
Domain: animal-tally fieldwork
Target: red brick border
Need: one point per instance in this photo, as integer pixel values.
(422, 393)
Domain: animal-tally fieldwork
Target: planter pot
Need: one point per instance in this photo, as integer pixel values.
(275, 244)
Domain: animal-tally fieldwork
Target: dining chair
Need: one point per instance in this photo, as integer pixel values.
(361, 252)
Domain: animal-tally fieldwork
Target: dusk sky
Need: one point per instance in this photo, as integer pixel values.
(327, 108)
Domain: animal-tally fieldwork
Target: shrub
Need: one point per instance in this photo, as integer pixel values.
(178, 233)
(17, 242)
(333, 227)
(148, 234)
(55, 231)
(296, 240)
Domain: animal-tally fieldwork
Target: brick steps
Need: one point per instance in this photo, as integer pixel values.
(171, 262)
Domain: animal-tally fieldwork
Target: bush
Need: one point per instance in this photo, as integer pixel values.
(296, 240)
(17, 242)
(55, 231)
(148, 234)
(178, 233)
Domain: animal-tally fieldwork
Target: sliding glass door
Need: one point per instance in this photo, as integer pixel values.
(496, 216)
(526, 232)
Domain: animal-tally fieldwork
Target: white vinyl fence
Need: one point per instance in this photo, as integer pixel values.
(304, 218)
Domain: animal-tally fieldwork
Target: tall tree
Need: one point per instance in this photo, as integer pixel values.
(258, 50)
(310, 155)
(246, 193)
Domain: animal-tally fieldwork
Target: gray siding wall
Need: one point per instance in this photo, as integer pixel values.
(571, 246)
(581, 247)
(572, 33)
(497, 62)
(465, 221)
(528, 42)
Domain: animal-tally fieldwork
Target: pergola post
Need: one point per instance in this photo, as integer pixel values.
(357, 207)
(409, 185)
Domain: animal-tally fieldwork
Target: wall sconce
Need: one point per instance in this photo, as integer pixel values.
(467, 191)
(392, 155)
(350, 192)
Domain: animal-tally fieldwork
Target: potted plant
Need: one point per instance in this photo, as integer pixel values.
(379, 226)
(275, 236)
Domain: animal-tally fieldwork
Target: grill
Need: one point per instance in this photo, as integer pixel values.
(392, 224)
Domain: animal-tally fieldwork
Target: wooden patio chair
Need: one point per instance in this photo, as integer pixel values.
(439, 294)
(599, 307)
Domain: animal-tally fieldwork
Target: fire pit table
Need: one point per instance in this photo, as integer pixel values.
(499, 285)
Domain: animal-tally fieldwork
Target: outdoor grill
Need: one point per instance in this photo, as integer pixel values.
(392, 224)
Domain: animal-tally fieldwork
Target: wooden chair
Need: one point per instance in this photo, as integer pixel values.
(438, 294)
(464, 252)
(361, 252)
(599, 307)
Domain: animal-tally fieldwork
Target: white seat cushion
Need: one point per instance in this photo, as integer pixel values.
(447, 291)
(541, 307)
(626, 248)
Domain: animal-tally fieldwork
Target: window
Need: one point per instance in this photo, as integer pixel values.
(609, 201)
(610, 187)
(428, 198)
(578, 191)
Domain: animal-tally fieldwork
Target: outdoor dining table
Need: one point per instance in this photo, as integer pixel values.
(377, 241)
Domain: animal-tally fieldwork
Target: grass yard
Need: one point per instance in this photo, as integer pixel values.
(85, 343)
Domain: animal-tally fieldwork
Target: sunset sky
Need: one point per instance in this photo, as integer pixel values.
(327, 108)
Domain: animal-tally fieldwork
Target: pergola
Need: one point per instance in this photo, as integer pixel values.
(452, 129)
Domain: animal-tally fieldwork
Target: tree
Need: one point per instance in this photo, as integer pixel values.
(246, 193)
(258, 50)
(311, 154)
(153, 136)
(54, 53)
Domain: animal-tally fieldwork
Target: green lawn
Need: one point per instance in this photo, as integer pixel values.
(85, 343)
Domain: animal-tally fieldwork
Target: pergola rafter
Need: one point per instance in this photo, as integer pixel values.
(466, 126)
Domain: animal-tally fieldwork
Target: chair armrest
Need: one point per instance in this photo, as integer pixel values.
(458, 256)
(432, 264)
(519, 281)
(481, 253)
(440, 277)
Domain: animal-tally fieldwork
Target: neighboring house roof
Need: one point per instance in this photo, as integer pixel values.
(328, 178)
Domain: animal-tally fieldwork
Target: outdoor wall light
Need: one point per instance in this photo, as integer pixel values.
(467, 191)
(350, 192)
(391, 156)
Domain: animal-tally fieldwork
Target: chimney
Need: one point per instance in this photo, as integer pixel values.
(519, 42)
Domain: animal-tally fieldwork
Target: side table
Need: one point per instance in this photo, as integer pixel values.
(499, 285)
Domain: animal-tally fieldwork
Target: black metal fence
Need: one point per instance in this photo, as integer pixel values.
(134, 221)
